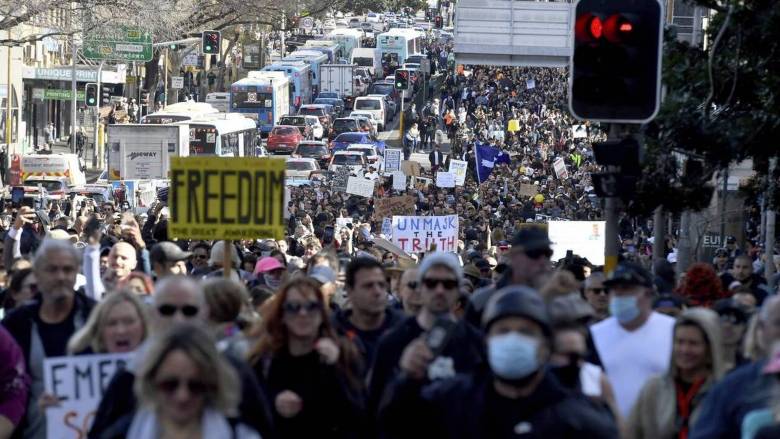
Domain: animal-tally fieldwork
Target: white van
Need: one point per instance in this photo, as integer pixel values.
(374, 105)
(368, 57)
(60, 166)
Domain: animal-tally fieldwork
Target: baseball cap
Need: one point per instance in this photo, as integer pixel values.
(266, 264)
(531, 238)
(516, 301)
(629, 273)
(728, 307)
(167, 251)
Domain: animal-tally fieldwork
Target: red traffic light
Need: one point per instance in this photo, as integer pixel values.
(618, 28)
(595, 27)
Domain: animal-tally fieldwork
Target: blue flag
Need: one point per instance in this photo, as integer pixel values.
(486, 158)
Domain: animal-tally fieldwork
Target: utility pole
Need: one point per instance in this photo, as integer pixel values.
(97, 119)
(8, 96)
(73, 110)
(659, 233)
(723, 195)
(282, 34)
(611, 237)
(771, 217)
(684, 244)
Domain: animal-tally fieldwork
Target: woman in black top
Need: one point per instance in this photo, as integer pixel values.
(307, 370)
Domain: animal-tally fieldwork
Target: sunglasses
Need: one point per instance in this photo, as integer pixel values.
(448, 284)
(412, 285)
(294, 308)
(194, 387)
(598, 290)
(168, 310)
(536, 254)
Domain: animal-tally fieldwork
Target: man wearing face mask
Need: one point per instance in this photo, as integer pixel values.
(516, 395)
(635, 343)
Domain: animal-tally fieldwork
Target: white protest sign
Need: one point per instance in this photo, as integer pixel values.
(79, 383)
(415, 234)
(579, 131)
(392, 160)
(399, 181)
(458, 168)
(530, 83)
(583, 238)
(560, 169)
(445, 179)
(360, 186)
(342, 222)
(387, 227)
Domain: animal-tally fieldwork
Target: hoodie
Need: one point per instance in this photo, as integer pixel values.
(655, 413)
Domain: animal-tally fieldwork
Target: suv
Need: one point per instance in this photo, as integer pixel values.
(321, 111)
(312, 149)
(386, 88)
(344, 125)
(354, 160)
(283, 139)
(375, 105)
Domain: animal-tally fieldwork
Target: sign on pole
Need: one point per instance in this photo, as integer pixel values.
(78, 382)
(458, 168)
(416, 234)
(177, 82)
(125, 45)
(226, 198)
(392, 160)
(360, 186)
(445, 179)
(307, 23)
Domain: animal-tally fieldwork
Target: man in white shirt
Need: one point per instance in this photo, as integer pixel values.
(635, 343)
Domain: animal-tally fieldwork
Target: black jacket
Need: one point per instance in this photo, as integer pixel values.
(365, 342)
(467, 407)
(119, 401)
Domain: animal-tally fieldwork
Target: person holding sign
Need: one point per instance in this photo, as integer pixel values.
(185, 388)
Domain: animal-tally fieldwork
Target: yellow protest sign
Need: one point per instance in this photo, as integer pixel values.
(226, 198)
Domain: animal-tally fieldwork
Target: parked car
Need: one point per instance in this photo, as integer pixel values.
(343, 140)
(55, 187)
(313, 149)
(354, 23)
(328, 94)
(355, 160)
(361, 85)
(386, 88)
(283, 139)
(300, 169)
(338, 104)
(365, 125)
(298, 122)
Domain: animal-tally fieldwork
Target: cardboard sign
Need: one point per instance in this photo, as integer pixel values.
(360, 186)
(79, 383)
(445, 179)
(528, 190)
(340, 179)
(399, 181)
(392, 160)
(416, 234)
(560, 169)
(583, 238)
(227, 198)
(459, 168)
(387, 207)
(410, 168)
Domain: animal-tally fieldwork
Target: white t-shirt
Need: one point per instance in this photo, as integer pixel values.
(630, 358)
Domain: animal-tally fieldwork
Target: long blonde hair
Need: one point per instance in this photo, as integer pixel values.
(89, 336)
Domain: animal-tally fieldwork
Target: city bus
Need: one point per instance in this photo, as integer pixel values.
(179, 112)
(263, 97)
(300, 75)
(398, 44)
(223, 135)
(349, 39)
(314, 58)
(333, 49)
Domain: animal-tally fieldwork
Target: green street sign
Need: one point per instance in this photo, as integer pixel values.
(126, 45)
(54, 94)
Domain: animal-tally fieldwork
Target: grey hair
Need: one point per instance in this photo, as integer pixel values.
(54, 245)
(170, 283)
(769, 303)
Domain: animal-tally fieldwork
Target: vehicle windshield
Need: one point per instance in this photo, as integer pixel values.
(49, 185)
(365, 62)
(381, 89)
(329, 101)
(368, 104)
(292, 120)
(327, 94)
(349, 138)
(284, 131)
(345, 124)
(366, 115)
(310, 150)
(312, 111)
(348, 159)
(366, 151)
(300, 166)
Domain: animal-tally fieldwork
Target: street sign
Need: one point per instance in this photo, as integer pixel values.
(425, 65)
(55, 94)
(177, 82)
(126, 45)
(307, 23)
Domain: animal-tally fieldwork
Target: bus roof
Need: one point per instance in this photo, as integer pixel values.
(304, 54)
(187, 108)
(258, 77)
(226, 125)
(346, 32)
(298, 66)
(408, 33)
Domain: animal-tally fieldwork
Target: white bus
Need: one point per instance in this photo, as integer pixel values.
(179, 112)
(224, 135)
(350, 39)
(398, 44)
(220, 101)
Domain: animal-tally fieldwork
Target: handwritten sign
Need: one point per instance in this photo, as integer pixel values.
(360, 186)
(387, 227)
(399, 181)
(528, 190)
(459, 168)
(560, 169)
(445, 179)
(387, 207)
(340, 179)
(410, 168)
(79, 383)
(416, 234)
(392, 160)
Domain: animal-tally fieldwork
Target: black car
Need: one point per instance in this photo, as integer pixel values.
(344, 125)
(313, 149)
(338, 104)
(386, 88)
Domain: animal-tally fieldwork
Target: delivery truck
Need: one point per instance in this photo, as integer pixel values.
(338, 78)
(143, 152)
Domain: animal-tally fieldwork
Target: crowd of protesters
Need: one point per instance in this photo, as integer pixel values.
(332, 333)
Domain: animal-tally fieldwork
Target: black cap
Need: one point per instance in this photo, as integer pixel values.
(731, 240)
(167, 251)
(721, 252)
(531, 238)
(629, 273)
(729, 307)
(516, 301)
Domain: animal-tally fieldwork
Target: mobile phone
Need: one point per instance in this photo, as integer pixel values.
(440, 334)
(17, 195)
(327, 236)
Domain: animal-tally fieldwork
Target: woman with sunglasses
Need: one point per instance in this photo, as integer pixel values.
(307, 370)
(185, 389)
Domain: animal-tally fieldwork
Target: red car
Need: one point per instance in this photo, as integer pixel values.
(283, 139)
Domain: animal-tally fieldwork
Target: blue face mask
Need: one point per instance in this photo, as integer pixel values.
(513, 356)
(625, 309)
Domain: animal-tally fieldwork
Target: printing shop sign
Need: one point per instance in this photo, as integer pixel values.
(416, 234)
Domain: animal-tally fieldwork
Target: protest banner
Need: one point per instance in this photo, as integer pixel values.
(410, 168)
(387, 207)
(579, 131)
(415, 234)
(340, 179)
(583, 238)
(399, 181)
(560, 169)
(445, 179)
(227, 198)
(392, 160)
(360, 186)
(459, 168)
(78, 382)
(528, 190)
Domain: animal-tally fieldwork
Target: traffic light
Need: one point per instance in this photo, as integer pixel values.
(105, 95)
(615, 71)
(91, 95)
(437, 21)
(402, 79)
(210, 42)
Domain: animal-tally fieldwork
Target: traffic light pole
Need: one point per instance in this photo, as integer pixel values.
(97, 119)
(73, 111)
(611, 236)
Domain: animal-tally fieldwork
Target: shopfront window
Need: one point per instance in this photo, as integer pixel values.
(3, 112)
